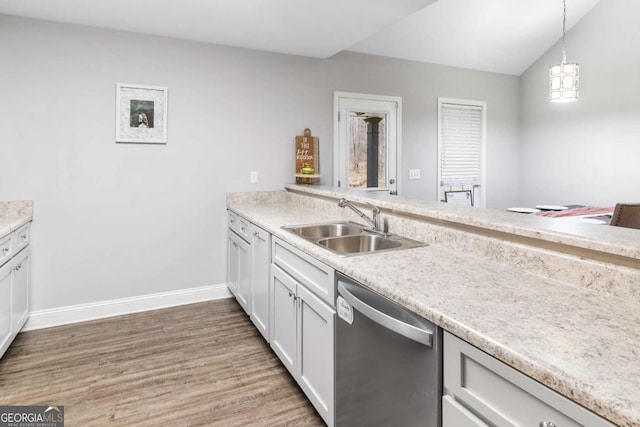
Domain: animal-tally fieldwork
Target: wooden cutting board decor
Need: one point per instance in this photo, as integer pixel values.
(307, 159)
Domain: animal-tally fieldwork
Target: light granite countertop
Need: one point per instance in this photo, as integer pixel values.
(611, 240)
(582, 344)
(14, 215)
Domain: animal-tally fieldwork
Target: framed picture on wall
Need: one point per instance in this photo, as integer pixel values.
(141, 114)
(459, 197)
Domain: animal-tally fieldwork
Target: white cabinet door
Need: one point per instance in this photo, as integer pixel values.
(232, 263)
(20, 290)
(283, 318)
(261, 262)
(315, 329)
(244, 275)
(239, 270)
(5, 307)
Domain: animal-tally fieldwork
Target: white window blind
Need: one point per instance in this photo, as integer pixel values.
(460, 147)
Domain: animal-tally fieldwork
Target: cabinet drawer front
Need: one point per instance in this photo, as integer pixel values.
(232, 221)
(316, 276)
(504, 396)
(244, 228)
(22, 236)
(6, 251)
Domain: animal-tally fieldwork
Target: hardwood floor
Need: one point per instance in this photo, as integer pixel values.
(196, 365)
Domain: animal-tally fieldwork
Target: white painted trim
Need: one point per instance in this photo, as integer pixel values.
(47, 318)
(339, 157)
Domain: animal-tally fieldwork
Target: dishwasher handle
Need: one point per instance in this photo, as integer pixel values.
(420, 335)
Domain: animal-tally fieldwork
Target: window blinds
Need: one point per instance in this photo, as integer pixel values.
(461, 143)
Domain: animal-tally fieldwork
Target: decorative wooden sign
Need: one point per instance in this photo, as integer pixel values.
(307, 159)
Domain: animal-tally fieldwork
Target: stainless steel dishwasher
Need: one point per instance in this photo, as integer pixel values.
(388, 362)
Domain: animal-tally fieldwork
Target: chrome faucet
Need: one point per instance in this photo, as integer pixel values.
(374, 221)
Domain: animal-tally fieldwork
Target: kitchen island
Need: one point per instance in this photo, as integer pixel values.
(557, 301)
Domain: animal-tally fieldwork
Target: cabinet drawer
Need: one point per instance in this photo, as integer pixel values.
(239, 225)
(232, 221)
(244, 228)
(501, 395)
(6, 251)
(21, 237)
(316, 276)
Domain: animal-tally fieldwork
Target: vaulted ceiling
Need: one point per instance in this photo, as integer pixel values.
(504, 36)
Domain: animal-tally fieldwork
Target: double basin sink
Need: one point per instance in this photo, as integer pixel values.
(349, 238)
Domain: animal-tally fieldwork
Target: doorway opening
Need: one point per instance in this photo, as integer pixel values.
(366, 141)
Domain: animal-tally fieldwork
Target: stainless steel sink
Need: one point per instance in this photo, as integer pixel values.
(319, 231)
(361, 243)
(349, 238)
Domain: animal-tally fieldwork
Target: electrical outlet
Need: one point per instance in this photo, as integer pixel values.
(253, 177)
(414, 173)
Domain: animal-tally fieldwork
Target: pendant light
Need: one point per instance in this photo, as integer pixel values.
(564, 80)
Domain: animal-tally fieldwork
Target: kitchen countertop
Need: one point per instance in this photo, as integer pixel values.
(580, 343)
(619, 241)
(14, 215)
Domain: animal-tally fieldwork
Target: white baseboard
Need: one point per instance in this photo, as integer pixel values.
(40, 319)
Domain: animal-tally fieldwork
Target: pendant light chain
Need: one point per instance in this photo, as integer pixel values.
(564, 31)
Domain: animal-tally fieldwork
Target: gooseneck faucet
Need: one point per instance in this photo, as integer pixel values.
(374, 221)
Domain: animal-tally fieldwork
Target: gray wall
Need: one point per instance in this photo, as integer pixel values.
(586, 152)
(122, 220)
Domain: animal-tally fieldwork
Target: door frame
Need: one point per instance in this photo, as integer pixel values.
(338, 155)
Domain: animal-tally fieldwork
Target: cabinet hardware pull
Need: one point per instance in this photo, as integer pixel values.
(257, 234)
(24, 237)
(290, 294)
(547, 424)
(5, 251)
(18, 267)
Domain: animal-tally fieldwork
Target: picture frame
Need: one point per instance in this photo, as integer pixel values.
(141, 113)
(459, 197)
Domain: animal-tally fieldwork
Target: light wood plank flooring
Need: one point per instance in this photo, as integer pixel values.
(196, 365)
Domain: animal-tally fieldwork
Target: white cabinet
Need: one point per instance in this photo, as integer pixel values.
(479, 390)
(15, 257)
(239, 270)
(303, 324)
(261, 263)
(6, 248)
(315, 340)
(283, 318)
(6, 273)
(20, 290)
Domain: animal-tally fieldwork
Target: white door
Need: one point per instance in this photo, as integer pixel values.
(232, 263)
(283, 317)
(5, 307)
(315, 345)
(20, 291)
(261, 261)
(244, 275)
(367, 135)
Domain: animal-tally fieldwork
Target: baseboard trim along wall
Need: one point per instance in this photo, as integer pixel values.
(40, 319)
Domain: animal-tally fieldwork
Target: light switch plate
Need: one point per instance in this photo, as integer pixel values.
(253, 177)
(414, 173)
